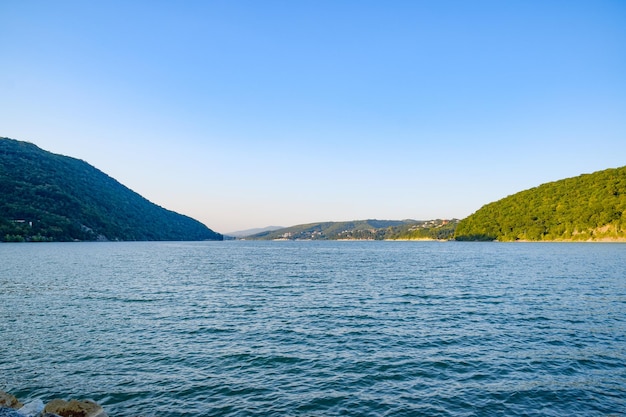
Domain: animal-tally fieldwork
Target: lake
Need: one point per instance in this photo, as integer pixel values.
(313, 328)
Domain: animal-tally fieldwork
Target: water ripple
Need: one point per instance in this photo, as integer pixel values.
(317, 328)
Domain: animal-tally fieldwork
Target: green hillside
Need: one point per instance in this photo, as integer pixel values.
(363, 230)
(49, 197)
(587, 207)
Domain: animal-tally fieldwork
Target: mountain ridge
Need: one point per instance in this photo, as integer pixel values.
(370, 229)
(253, 231)
(51, 197)
(588, 207)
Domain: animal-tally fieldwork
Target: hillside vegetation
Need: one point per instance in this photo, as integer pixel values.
(363, 230)
(49, 197)
(587, 207)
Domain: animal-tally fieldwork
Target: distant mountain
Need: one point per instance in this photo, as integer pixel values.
(250, 232)
(50, 197)
(587, 207)
(363, 230)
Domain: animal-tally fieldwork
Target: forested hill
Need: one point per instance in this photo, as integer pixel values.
(49, 197)
(363, 230)
(587, 207)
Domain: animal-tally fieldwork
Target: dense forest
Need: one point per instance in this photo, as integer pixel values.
(49, 197)
(363, 230)
(587, 207)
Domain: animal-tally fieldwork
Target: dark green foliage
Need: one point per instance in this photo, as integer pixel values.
(364, 230)
(587, 207)
(49, 197)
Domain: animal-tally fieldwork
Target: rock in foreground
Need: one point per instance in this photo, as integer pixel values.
(74, 408)
(9, 400)
(12, 407)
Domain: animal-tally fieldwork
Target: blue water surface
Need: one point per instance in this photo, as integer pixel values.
(317, 328)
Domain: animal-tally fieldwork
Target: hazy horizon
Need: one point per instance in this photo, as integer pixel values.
(244, 115)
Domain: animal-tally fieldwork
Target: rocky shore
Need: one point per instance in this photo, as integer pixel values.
(10, 406)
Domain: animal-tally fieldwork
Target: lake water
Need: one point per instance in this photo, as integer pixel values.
(317, 328)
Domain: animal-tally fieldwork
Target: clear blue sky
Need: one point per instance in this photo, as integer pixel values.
(253, 113)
